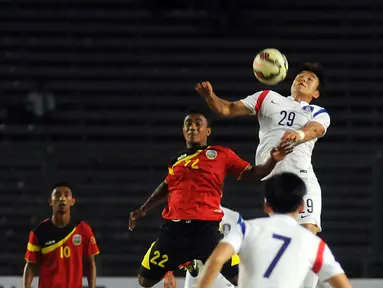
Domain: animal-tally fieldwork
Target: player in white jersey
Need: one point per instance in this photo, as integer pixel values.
(293, 118)
(229, 220)
(276, 251)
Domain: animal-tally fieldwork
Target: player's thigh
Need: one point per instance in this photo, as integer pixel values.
(158, 260)
(311, 213)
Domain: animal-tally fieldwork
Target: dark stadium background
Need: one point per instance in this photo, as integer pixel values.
(116, 77)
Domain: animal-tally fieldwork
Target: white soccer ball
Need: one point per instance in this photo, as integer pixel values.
(270, 66)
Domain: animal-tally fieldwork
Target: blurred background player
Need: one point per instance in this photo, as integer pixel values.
(58, 244)
(193, 187)
(276, 251)
(293, 119)
(229, 220)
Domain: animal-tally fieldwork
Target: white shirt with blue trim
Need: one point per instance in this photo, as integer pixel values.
(276, 114)
(277, 252)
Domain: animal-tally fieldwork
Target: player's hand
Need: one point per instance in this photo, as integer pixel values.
(134, 216)
(291, 136)
(170, 281)
(204, 89)
(283, 149)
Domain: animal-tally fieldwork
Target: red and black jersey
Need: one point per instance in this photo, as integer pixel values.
(195, 181)
(60, 251)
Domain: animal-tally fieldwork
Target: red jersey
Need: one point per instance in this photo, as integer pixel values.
(195, 181)
(59, 253)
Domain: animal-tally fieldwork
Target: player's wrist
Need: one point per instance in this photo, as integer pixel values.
(301, 134)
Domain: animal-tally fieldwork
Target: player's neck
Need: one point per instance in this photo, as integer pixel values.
(302, 97)
(195, 145)
(61, 220)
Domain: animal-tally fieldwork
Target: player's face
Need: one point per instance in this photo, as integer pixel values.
(305, 83)
(61, 199)
(196, 130)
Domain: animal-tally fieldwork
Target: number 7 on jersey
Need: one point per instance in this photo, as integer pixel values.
(286, 243)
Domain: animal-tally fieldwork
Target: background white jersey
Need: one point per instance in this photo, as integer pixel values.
(229, 220)
(276, 114)
(277, 252)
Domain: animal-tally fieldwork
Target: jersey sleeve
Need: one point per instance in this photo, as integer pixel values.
(33, 249)
(325, 264)
(236, 235)
(170, 173)
(91, 247)
(236, 165)
(321, 116)
(254, 102)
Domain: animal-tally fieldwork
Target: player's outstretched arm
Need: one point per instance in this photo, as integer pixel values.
(340, 281)
(220, 106)
(29, 274)
(221, 254)
(158, 196)
(92, 272)
(276, 154)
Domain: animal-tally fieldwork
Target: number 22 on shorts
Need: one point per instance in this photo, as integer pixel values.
(286, 243)
(163, 260)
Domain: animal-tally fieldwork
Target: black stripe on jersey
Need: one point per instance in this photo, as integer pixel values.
(48, 234)
(185, 153)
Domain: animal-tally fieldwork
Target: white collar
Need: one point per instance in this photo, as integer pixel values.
(302, 103)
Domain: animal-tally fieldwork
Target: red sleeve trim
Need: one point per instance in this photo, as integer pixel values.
(260, 99)
(319, 259)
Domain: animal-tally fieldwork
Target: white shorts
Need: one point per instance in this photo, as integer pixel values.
(220, 281)
(313, 204)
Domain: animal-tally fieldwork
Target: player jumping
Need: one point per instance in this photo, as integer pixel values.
(276, 251)
(293, 119)
(229, 220)
(58, 244)
(193, 188)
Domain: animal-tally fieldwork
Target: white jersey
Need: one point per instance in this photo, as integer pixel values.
(277, 252)
(229, 220)
(276, 114)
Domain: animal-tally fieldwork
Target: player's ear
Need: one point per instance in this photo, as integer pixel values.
(73, 201)
(50, 202)
(208, 131)
(316, 94)
(267, 208)
(301, 206)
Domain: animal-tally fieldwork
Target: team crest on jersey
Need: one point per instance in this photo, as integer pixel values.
(211, 154)
(77, 239)
(308, 109)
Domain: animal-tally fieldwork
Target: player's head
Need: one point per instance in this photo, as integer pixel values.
(61, 198)
(196, 128)
(308, 82)
(284, 194)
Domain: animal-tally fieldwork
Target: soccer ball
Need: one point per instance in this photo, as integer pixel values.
(270, 66)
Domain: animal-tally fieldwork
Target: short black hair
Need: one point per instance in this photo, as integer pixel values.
(61, 184)
(317, 69)
(284, 192)
(201, 111)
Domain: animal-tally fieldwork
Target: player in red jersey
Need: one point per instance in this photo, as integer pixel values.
(193, 187)
(58, 244)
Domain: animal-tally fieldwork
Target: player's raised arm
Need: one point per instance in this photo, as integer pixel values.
(220, 106)
(159, 195)
(260, 171)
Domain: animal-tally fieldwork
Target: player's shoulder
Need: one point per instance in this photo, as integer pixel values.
(217, 150)
(42, 226)
(316, 109)
(231, 214)
(84, 225)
